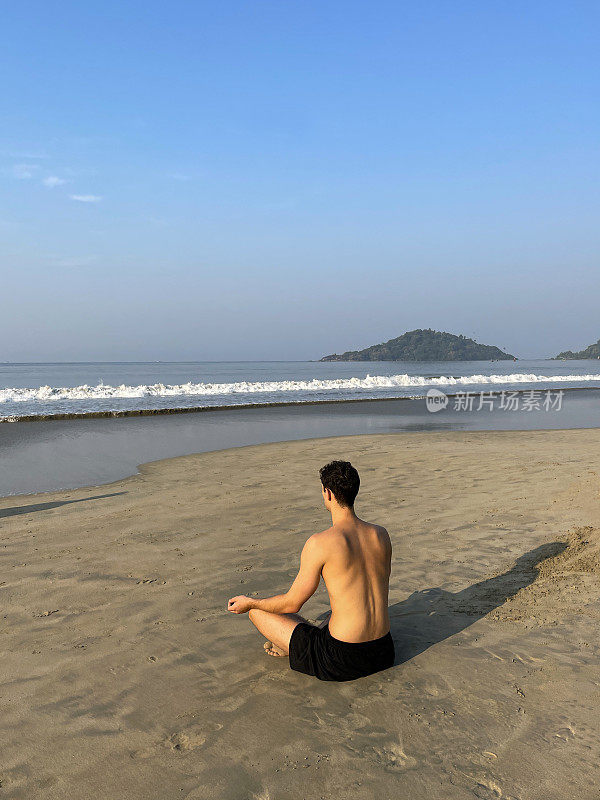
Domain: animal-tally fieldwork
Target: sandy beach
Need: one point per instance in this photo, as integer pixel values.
(123, 675)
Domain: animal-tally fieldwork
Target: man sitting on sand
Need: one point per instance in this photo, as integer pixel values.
(354, 558)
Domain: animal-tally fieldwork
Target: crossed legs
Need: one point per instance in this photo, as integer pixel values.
(277, 629)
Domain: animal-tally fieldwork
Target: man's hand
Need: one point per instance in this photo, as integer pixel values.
(240, 604)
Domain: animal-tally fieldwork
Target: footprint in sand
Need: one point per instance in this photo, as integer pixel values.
(566, 733)
(264, 795)
(394, 758)
(183, 741)
(191, 738)
(488, 790)
(146, 752)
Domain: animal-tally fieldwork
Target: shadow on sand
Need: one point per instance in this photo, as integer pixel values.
(16, 510)
(432, 615)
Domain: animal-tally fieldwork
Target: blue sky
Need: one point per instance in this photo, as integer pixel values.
(280, 180)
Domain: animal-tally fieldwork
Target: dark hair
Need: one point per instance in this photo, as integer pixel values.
(342, 480)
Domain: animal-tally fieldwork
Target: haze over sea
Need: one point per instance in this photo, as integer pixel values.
(85, 388)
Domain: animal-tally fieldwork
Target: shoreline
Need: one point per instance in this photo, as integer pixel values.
(159, 463)
(59, 454)
(154, 412)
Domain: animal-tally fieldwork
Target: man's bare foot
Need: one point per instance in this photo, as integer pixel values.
(272, 649)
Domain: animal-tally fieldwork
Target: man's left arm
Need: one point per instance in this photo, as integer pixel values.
(304, 586)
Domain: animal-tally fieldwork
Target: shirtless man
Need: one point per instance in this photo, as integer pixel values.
(354, 558)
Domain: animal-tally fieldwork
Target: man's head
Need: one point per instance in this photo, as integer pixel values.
(340, 483)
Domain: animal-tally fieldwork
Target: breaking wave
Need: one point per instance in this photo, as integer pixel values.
(274, 388)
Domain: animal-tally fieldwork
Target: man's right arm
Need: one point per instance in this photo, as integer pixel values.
(303, 587)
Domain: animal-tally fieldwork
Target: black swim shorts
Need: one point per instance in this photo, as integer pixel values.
(314, 651)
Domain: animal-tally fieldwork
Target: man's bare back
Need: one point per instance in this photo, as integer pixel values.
(356, 571)
(354, 559)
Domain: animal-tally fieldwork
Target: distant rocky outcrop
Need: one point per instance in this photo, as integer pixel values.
(425, 345)
(593, 351)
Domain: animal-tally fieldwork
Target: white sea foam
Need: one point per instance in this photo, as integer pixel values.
(369, 383)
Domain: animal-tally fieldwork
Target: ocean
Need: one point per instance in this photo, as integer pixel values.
(34, 390)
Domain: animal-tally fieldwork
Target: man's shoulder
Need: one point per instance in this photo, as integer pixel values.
(374, 526)
(383, 533)
(320, 540)
(380, 529)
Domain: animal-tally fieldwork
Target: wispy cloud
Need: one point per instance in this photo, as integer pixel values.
(86, 198)
(180, 176)
(53, 180)
(24, 172)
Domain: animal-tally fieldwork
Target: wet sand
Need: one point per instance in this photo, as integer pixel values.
(54, 454)
(123, 676)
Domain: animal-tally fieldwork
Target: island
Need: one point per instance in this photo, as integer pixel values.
(593, 351)
(425, 345)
